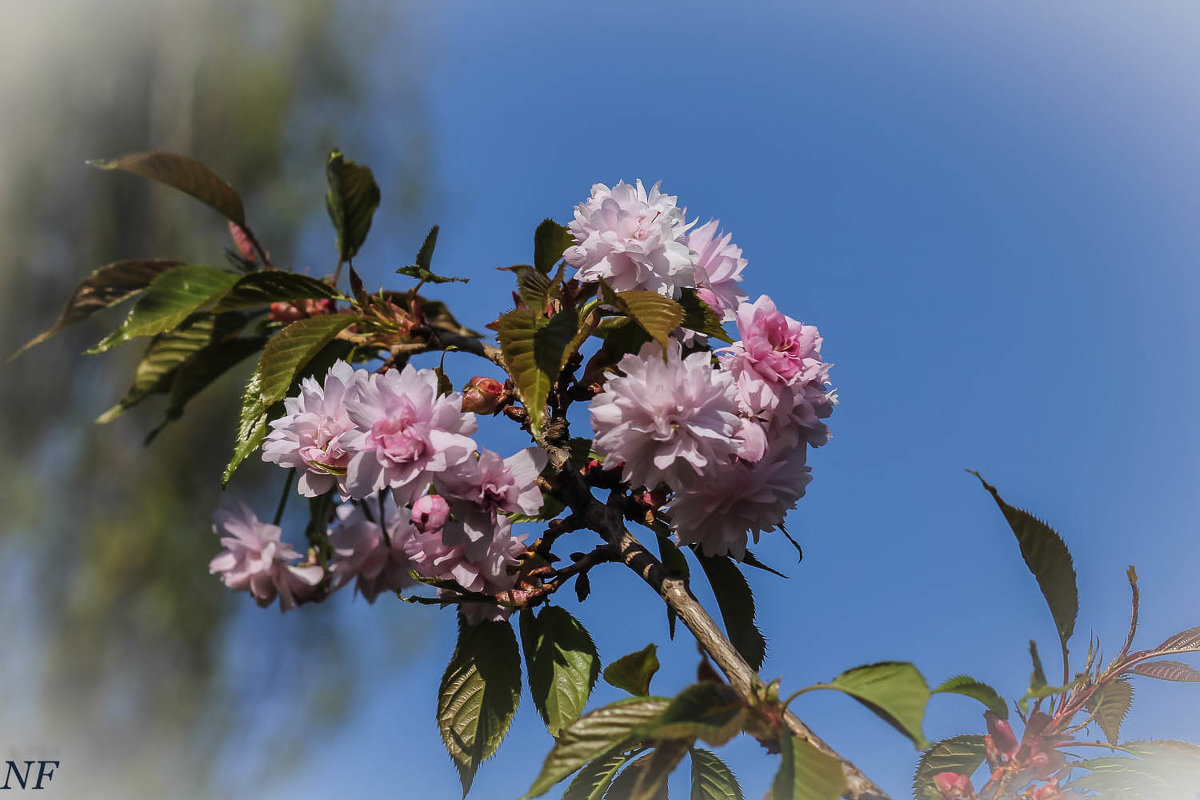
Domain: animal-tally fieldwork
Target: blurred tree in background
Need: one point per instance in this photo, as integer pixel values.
(123, 640)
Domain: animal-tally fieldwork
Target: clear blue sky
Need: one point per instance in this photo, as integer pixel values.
(988, 209)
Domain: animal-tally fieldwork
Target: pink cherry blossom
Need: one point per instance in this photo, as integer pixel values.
(491, 573)
(311, 436)
(405, 434)
(430, 513)
(719, 268)
(720, 513)
(361, 552)
(633, 239)
(255, 560)
(671, 421)
(481, 489)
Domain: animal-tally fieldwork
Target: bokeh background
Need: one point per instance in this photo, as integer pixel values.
(989, 209)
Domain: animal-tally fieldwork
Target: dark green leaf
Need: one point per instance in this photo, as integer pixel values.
(710, 711)
(968, 686)
(478, 695)
(351, 201)
(626, 783)
(550, 241)
(652, 777)
(961, 755)
(805, 773)
(425, 276)
(712, 779)
(736, 602)
(594, 779)
(894, 690)
(634, 671)
(562, 663)
(103, 288)
(535, 350)
(1109, 704)
(698, 316)
(1167, 671)
(185, 174)
(593, 735)
(199, 371)
(170, 299)
(621, 336)
(1048, 559)
(750, 560)
(275, 286)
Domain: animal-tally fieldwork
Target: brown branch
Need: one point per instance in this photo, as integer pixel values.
(607, 521)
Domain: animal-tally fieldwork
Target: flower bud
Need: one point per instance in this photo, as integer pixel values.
(285, 313)
(482, 395)
(1002, 735)
(430, 513)
(953, 785)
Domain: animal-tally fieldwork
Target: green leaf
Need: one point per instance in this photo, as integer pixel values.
(185, 174)
(170, 299)
(293, 347)
(710, 711)
(421, 270)
(1184, 642)
(251, 429)
(736, 602)
(533, 287)
(699, 316)
(275, 286)
(103, 288)
(626, 783)
(478, 695)
(969, 687)
(1048, 559)
(551, 508)
(535, 350)
(594, 779)
(1109, 704)
(894, 690)
(961, 755)
(657, 315)
(805, 773)
(1166, 671)
(712, 779)
(593, 735)
(550, 241)
(652, 777)
(199, 371)
(562, 663)
(351, 201)
(634, 671)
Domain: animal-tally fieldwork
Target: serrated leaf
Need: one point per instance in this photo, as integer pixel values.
(562, 664)
(657, 314)
(736, 602)
(550, 241)
(533, 287)
(750, 560)
(478, 695)
(805, 773)
(535, 350)
(634, 671)
(351, 201)
(1167, 671)
(712, 779)
(170, 299)
(626, 783)
(593, 735)
(1109, 704)
(293, 347)
(426, 276)
(710, 711)
(699, 316)
(251, 429)
(894, 690)
(185, 174)
(204, 367)
(1047, 557)
(969, 687)
(593, 780)
(1184, 642)
(103, 288)
(274, 286)
(961, 755)
(652, 778)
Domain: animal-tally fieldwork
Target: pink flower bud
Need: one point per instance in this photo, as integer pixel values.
(430, 512)
(285, 313)
(1050, 791)
(1002, 735)
(953, 785)
(482, 395)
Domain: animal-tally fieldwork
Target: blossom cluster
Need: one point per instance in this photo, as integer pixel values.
(726, 436)
(421, 497)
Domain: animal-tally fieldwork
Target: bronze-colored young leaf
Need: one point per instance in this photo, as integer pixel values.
(593, 735)
(805, 773)
(699, 316)
(550, 241)
(712, 779)
(1184, 642)
(969, 687)
(634, 671)
(1048, 559)
(1166, 670)
(961, 755)
(592, 782)
(103, 288)
(170, 299)
(535, 350)
(710, 711)
(894, 690)
(478, 695)
(274, 286)
(1109, 704)
(185, 174)
(351, 201)
(562, 664)
(736, 602)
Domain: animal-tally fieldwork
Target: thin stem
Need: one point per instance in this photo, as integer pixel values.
(283, 498)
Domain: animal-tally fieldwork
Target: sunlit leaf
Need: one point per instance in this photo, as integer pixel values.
(634, 671)
(562, 663)
(535, 350)
(712, 779)
(699, 316)
(710, 711)
(185, 174)
(274, 286)
(968, 686)
(292, 348)
(894, 690)
(550, 241)
(351, 201)
(961, 755)
(1109, 704)
(591, 782)
(1184, 642)
(805, 773)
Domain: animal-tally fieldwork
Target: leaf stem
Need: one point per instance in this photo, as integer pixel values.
(283, 497)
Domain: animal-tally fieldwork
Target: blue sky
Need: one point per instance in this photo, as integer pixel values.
(988, 209)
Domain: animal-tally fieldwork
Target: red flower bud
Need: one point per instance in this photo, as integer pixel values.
(285, 313)
(1050, 791)
(482, 395)
(1002, 735)
(953, 786)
